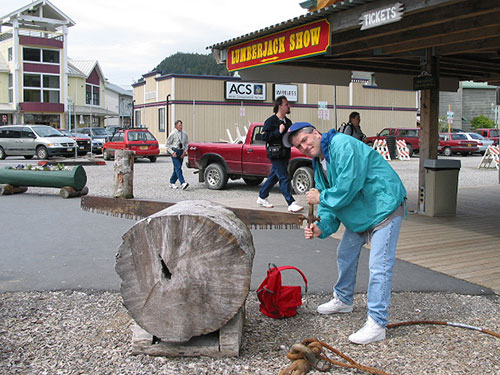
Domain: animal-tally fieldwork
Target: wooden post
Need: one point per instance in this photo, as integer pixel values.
(70, 192)
(429, 116)
(123, 183)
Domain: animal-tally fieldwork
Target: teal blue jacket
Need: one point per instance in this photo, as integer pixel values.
(361, 188)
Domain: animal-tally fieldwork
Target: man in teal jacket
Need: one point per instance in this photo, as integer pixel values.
(355, 186)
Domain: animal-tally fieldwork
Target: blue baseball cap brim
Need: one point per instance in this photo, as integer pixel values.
(287, 137)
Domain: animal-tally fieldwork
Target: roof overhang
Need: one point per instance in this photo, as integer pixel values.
(463, 34)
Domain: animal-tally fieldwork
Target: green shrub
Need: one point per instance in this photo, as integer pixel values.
(482, 121)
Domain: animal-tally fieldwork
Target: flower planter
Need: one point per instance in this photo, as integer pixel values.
(75, 177)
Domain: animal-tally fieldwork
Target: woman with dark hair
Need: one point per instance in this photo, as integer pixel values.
(352, 127)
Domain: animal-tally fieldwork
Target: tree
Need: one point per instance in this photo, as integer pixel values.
(191, 63)
(481, 121)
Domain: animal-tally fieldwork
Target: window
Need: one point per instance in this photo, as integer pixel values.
(9, 53)
(161, 119)
(11, 89)
(51, 56)
(137, 120)
(34, 91)
(88, 94)
(95, 95)
(31, 54)
(92, 94)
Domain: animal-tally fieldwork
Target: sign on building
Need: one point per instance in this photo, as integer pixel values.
(306, 40)
(290, 91)
(245, 90)
(381, 16)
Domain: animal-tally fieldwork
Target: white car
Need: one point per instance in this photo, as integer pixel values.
(482, 143)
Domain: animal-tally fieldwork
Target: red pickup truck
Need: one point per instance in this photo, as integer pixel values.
(217, 162)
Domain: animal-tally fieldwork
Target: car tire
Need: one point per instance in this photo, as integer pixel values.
(152, 159)
(253, 181)
(3, 155)
(410, 149)
(42, 152)
(28, 157)
(447, 151)
(82, 153)
(303, 180)
(106, 155)
(215, 177)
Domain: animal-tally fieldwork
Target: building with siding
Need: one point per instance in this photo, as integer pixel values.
(202, 103)
(38, 82)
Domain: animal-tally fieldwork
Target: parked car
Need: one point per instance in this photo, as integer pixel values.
(141, 141)
(30, 140)
(112, 129)
(489, 133)
(83, 141)
(453, 143)
(95, 133)
(482, 143)
(410, 135)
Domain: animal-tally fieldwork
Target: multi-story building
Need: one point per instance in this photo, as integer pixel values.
(118, 100)
(38, 82)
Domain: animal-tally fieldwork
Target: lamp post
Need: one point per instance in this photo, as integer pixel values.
(132, 113)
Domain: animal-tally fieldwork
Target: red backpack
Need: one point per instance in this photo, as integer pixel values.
(278, 301)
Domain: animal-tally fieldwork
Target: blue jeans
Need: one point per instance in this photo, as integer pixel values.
(382, 260)
(177, 174)
(279, 172)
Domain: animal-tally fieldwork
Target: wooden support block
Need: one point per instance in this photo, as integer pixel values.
(225, 342)
(70, 192)
(6, 189)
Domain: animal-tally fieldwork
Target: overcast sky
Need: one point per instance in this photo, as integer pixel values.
(129, 37)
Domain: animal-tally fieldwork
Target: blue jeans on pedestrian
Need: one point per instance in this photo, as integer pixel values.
(279, 172)
(177, 174)
(381, 264)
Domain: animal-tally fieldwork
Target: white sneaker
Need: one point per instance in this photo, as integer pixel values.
(184, 186)
(264, 202)
(172, 186)
(370, 332)
(334, 306)
(294, 207)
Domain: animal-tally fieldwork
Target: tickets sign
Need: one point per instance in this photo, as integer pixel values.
(306, 40)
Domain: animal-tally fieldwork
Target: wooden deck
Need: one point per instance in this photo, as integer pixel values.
(466, 246)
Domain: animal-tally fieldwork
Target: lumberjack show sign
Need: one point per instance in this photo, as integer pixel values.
(301, 41)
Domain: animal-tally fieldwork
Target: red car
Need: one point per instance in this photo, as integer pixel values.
(410, 135)
(141, 141)
(452, 143)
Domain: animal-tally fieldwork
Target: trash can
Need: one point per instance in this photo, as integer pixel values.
(441, 186)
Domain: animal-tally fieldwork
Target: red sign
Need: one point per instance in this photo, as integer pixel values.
(301, 41)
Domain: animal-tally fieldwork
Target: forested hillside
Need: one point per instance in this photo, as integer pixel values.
(191, 63)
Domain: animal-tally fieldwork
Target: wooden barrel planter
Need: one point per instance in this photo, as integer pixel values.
(185, 270)
(73, 179)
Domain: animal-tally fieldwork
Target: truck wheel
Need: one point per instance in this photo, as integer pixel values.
(152, 159)
(215, 177)
(303, 179)
(253, 181)
(410, 149)
(447, 151)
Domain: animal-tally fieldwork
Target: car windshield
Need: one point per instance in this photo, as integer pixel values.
(140, 136)
(66, 133)
(100, 131)
(476, 136)
(46, 131)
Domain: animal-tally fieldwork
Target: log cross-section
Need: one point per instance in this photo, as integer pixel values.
(185, 270)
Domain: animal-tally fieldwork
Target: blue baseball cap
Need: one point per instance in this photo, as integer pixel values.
(287, 137)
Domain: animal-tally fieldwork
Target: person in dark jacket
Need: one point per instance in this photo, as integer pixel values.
(279, 155)
(353, 128)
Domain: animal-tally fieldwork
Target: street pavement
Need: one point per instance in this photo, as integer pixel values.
(49, 243)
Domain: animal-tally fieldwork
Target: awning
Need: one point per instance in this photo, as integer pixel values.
(6, 108)
(95, 111)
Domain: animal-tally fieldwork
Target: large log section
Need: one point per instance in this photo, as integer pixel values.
(185, 270)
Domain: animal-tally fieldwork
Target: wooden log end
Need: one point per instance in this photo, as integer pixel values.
(71, 192)
(6, 189)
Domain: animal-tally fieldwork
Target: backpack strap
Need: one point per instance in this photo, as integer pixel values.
(282, 268)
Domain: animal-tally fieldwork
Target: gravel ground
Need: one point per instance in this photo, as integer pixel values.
(76, 332)
(69, 332)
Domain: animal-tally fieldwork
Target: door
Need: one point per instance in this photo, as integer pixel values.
(27, 141)
(254, 155)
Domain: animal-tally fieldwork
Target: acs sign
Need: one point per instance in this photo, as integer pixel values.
(245, 90)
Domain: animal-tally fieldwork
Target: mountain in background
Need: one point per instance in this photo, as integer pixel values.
(191, 63)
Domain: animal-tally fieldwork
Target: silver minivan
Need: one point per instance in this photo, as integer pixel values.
(29, 140)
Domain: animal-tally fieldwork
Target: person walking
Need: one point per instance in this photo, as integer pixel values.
(279, 155)
(355, 186)
(353, 127)
(177, 146)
